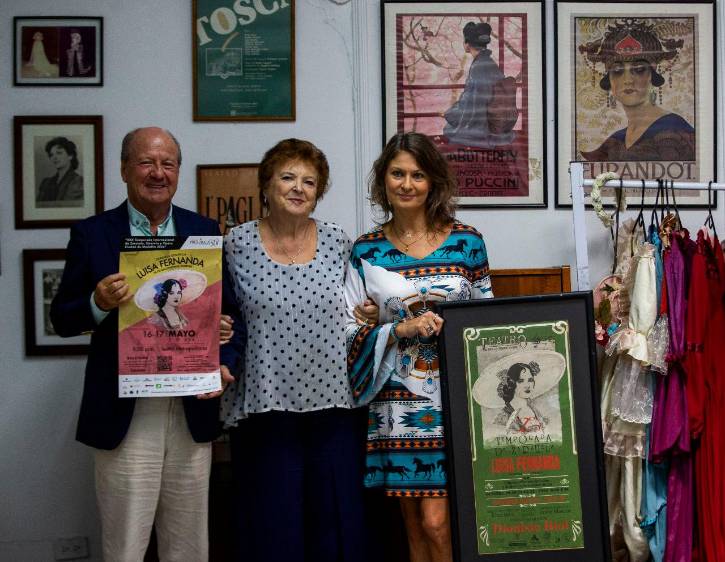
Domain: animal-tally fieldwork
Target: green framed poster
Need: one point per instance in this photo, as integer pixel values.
(518, 380)
(522, 428)
(243, 60)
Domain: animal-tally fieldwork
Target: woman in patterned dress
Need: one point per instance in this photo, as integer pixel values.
(419, 256)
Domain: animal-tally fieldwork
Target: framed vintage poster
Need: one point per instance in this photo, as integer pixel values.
(58, 51)
(42, 271)
(228, 193)
(243, 57)
(523, 430)
(636, 90)
(471, 76)
(58, 169)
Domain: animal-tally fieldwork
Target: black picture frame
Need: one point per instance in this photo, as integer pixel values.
(520, 164)
(702, 64)
(576, 309)
(41, 201)
(42, 270)
(57, 51)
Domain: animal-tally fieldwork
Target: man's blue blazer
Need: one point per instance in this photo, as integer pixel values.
(93, 253)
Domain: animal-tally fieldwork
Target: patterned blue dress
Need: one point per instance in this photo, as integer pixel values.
(400, 381)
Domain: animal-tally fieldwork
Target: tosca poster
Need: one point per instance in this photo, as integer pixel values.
(168, 333)
(244, 62)
(522, 438)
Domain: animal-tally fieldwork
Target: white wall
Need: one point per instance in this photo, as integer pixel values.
(46, 484)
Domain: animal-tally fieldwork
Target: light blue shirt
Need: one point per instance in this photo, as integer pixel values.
(140, 225)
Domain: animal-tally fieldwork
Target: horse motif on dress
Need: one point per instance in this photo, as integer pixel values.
(457, 248)
(423, 467)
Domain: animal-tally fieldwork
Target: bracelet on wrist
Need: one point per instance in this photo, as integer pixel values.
(392, 330)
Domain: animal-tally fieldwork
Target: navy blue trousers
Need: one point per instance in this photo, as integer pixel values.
(299, 486)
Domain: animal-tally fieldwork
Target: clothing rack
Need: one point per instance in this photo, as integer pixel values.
(578, 183)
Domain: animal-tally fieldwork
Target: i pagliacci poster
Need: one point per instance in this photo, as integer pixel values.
(168, 333)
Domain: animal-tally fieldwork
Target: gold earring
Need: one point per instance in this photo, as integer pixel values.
(653, 97)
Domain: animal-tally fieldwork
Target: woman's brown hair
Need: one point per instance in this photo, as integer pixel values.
(293, 150)
(441, 203)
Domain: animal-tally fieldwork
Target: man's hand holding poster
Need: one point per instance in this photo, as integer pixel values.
(168, 340)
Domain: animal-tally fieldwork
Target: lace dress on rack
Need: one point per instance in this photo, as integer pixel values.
(624, 425)
(632, 392)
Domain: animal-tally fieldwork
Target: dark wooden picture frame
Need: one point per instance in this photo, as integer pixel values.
(590, 125)
(57, 51)
(58, 166)
(39, 287)
(243, 61)
(575, 311)
(228, 193)
(499, 163)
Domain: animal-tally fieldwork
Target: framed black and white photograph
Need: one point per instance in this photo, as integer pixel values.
(58, 51)
(58, 169)
(42, 272)
(636, 91)
(523, 430)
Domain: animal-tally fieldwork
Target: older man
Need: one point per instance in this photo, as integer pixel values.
(153, 455)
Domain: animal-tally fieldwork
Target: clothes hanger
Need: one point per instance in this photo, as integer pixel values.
(639, 221)
(710, 221)
(615, 232)
(674, 204)
(666, 200)
(667, 219)
(654, 222)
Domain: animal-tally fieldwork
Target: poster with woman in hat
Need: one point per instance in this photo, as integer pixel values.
(523, 441)
(636, 91)
(166, 343)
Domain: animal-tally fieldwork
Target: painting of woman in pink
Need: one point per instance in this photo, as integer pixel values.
(165, 295)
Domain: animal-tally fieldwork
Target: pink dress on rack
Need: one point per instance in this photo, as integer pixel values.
(670, 437)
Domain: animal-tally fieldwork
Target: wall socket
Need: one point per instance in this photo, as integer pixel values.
(72, 548)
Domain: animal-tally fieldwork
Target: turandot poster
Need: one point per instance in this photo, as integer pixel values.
(524, 454)
(636, 92)
(168, 334)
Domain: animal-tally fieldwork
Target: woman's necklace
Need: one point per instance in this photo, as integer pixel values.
(283, 250)
(409, 235)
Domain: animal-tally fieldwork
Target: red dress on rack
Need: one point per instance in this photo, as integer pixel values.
(706, 393)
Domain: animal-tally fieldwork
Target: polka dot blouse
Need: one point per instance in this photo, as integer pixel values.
(295, 354)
